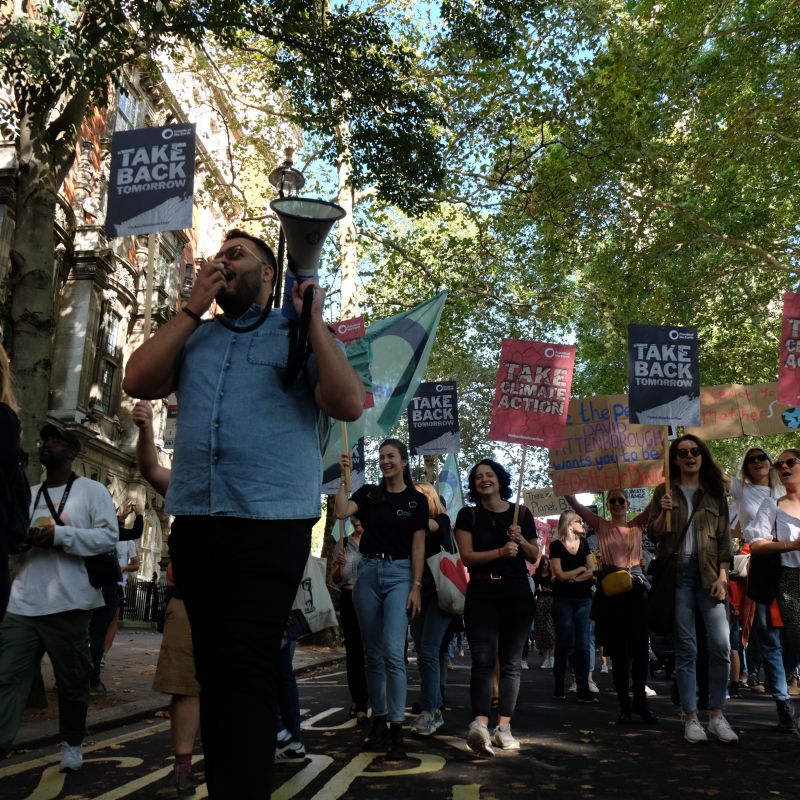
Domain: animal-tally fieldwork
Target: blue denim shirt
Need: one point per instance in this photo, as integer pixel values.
(245, 445)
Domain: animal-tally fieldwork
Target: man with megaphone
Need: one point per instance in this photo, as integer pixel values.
(245, 487)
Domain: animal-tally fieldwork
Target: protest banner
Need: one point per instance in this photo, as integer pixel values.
(543, 503)
(347, 330)
(532, 393)
(433, 419)
(333, 473)
(762, 412)
(663, 375)
(151, 180)
(603, 449)
(789, 370)
(720, 416)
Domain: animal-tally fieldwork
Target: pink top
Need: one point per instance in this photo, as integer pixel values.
(620, 545)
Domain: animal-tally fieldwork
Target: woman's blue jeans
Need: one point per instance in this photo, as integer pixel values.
(571, 620)
(380, 595)
(428, 630)
(690, 596)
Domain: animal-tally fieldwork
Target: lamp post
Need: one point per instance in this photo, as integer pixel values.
(288, 181)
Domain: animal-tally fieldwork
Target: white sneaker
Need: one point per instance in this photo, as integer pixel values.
(478, 739)
(721, 728)
(693, 732)
(649, 692)
(503, 739)
(573, 687)
(525, 665)
(425, 724)
(594, 688)
(438, 719)
(71, 757)
(604, 669)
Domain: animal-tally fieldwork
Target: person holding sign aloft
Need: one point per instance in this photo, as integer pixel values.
(699, 537)
(622, 616)
(495, 538)
(387, 588)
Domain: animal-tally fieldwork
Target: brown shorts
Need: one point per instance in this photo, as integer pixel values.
(175, 672)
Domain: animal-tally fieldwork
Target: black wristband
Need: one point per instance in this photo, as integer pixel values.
(196, 317)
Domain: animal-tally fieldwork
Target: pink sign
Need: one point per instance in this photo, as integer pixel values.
(789, 372)
(348, 329)
(531, 397)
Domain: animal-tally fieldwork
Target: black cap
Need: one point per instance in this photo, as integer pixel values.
(52, 432)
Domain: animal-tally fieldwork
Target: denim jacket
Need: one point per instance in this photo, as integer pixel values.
(713, 530)
(245, 445)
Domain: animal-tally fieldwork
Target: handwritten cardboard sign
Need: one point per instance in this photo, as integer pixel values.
(543, 503)
(603, 449)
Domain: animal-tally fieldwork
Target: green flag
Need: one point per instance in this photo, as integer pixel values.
(450, 488)
(391, 359)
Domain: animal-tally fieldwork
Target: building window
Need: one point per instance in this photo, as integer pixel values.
(107, 374)
(109, 360)
(129, 109)
(110, 335)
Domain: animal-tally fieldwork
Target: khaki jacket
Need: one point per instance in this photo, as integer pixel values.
(713, 531)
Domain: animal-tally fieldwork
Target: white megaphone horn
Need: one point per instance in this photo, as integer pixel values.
(306, 224)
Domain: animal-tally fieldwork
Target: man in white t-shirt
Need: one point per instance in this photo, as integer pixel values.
(51, 598)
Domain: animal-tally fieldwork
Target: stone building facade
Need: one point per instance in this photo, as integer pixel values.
(99, 286)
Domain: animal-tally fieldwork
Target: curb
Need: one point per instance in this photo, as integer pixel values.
(131, 712)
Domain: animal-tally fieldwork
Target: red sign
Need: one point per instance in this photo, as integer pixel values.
(349, 329)
(531, 398)
(789, 372)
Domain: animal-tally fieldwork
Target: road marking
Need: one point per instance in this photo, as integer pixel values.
(52, 781)
(308, 724)
(298, 782)
(44, 761)
(467, 791)
(341, 781)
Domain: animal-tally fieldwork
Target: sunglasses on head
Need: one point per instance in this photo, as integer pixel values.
(791, 463)
(690, 452)
(617, 501)
(752, 459)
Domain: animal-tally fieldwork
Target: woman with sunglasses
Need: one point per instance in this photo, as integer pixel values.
(622, 619)
(755, 483)
(700, 535)
(572, 565)
(776, 529)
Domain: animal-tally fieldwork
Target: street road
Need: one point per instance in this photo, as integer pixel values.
(568, 751)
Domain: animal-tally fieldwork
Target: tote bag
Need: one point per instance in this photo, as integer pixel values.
(451, 578)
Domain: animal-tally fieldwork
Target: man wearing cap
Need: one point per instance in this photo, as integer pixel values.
(51, 598)
(245, 485)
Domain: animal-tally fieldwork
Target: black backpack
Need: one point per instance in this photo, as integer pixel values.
(15, 500)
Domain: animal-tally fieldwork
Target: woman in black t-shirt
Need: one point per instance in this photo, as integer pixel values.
(499, 605)
(572, 565)
(386, 591)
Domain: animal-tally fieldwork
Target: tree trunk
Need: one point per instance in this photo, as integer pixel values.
(347, 227)
(33, 270)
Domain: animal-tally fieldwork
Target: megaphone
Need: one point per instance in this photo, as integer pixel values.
(305, 224)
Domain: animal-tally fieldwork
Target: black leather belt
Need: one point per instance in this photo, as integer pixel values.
(493, 576)
(385, 556)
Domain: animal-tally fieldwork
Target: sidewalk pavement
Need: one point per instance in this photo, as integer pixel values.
(128, 676)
